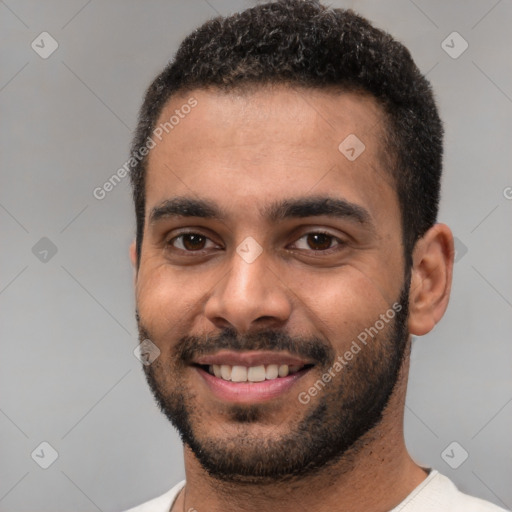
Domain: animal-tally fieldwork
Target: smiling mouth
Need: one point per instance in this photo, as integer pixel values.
(246, 377)
(259, 373)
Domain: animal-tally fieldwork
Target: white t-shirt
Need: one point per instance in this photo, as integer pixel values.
(436, 493)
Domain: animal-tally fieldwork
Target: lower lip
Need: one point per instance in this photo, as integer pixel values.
(250, 392)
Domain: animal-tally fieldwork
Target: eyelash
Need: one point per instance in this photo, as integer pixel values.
(340, 243)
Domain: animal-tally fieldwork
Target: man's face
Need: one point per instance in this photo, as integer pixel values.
(268, 273)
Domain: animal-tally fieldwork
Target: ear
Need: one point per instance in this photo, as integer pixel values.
(133, 259)
(431, 279)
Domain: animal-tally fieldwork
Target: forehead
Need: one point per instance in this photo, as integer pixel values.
(243, 148)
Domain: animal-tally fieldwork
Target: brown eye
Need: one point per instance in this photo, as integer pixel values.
(319, 241)
(189, 242)
(193, 242)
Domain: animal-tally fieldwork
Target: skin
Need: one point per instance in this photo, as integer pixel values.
(243, 152)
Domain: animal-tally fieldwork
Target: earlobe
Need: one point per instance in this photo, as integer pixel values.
(431, 279)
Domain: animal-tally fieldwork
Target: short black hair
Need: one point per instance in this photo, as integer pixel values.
(304, 43)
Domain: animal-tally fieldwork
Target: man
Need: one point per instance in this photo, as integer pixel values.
(286, 182)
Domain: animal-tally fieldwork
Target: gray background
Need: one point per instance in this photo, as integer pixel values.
(68, 375)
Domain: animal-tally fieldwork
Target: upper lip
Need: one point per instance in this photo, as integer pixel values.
(254, 358)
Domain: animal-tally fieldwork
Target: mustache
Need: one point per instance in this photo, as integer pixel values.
(189, 348)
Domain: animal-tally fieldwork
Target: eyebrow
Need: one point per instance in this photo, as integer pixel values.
(281, 210)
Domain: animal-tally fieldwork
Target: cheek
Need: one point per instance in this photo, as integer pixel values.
(343, 305)
(163, 301)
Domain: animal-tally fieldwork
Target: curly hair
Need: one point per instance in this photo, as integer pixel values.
(303, 43)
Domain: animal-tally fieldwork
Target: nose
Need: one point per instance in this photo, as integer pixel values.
(250, 296)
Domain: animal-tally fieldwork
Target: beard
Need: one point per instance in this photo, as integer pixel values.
(332, 427)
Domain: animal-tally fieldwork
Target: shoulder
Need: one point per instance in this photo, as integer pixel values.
(438, 493)
(467, 503)
(161, 504)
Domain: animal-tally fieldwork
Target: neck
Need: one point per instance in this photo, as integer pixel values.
(375, 475)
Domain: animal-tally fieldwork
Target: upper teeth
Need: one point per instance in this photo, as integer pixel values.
(253, 373)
